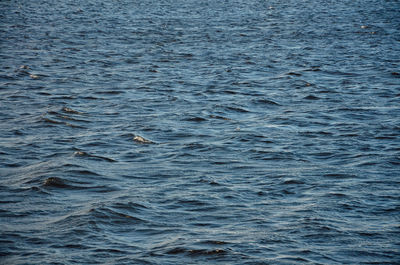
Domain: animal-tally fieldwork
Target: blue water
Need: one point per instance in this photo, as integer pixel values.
(199, 132)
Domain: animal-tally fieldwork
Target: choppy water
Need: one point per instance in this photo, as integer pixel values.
(199, 132)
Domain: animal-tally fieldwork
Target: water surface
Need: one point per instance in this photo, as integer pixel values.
(199, 132)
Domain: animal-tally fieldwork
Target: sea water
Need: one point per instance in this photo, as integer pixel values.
(199, 132)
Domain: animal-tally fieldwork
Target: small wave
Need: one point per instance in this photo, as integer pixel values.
(219, 117)
(210, 182)
(265, 101)
(47, 120)
(292, 182)
(66, 117)
(56, 183)
(110, 250)
(340, 73)
(323, 154)
(59, 183)
(294, 74)
(387, 137)
(230, 92)
(72, 119)
(311, 97)
(191, 203)
(339, 175)
(195, 252)
(213, 242)
(313, 69)
(69, 110)
(195, 119)
(107, 215)
(130, 206)
(82, 172)
(242, 83)
(237, 109)
(52, 121)
(84, 154)
(110, 92)
(141, 140)
(75, 126)
(335, 195)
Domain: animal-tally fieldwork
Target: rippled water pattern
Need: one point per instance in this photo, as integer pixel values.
(199, 132)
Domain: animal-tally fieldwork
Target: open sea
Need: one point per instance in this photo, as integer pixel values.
(200, 132)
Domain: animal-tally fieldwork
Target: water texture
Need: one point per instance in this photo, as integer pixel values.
(199, 132)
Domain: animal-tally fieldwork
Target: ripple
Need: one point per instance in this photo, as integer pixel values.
(311, 97)
(96, 157)
(69, 110)
(196, 119)
(264, 101)
(196, 252)
(199, 132)
(81, 172)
